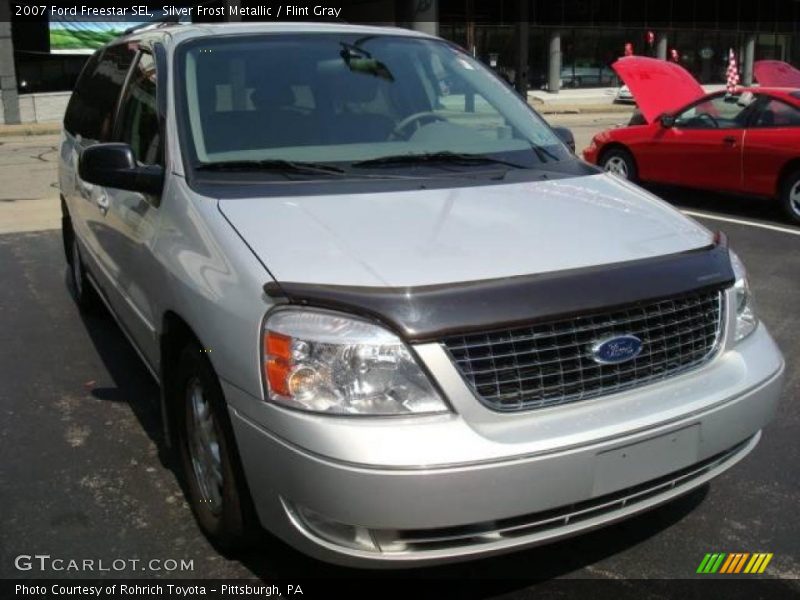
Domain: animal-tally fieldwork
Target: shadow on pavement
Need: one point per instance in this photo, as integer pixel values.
(132, 382)
(725, 205)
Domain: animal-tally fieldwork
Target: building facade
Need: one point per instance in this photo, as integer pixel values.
(571, 43)
(537, 44)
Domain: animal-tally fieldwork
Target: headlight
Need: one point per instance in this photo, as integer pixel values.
(331, 363)
(746, 320)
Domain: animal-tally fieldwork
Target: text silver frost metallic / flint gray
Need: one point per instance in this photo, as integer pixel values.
(468, 342)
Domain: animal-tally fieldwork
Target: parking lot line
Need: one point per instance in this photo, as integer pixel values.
(741, 222)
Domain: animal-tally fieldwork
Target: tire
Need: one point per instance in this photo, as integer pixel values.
(790, 197)
(620, 162)
(83, 292)
(209, 465)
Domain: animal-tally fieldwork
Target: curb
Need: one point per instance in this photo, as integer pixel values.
(577, 109)
(30, 129)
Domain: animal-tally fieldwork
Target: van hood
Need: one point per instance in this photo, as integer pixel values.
(657, 86)
(429, 237)
(776, 73)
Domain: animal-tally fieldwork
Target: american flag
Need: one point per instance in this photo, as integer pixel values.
(733, 73)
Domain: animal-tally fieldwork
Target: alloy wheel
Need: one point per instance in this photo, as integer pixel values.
(204, 448)
(794, 198)
(617, 166)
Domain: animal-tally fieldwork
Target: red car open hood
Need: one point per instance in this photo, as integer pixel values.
(657, 86)
(776, 73)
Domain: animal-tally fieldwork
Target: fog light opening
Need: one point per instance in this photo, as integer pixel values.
(341, 534)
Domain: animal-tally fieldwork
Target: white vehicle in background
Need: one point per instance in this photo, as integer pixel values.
(624, 96)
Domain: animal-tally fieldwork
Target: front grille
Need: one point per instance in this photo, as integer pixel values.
(548, 364)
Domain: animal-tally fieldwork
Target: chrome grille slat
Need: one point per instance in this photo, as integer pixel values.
(591, 328)
(550, 364)
(585, 354)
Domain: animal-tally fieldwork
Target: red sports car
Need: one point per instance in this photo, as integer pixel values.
(747, 142)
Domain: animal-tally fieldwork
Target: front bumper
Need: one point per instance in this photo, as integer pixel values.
(590, 153)
(475, 483)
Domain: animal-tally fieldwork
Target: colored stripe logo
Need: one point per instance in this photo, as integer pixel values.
(734, 563)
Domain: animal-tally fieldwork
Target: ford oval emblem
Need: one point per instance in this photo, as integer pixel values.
(617, 349)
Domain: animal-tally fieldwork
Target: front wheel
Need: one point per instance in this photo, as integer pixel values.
(619, 162)
(790, 197)
(82, 291)
(210, 467)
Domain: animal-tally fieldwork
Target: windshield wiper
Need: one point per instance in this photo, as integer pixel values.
(542, 153)
(434, 157)
(279, 165)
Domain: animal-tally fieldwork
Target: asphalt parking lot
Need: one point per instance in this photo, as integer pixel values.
(85, 473)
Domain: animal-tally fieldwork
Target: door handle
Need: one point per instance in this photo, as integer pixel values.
(729, 140)
(102, 202)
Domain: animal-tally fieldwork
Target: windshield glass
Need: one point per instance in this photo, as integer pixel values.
(344, 98)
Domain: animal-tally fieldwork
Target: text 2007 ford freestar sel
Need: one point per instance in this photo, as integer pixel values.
(395, 321)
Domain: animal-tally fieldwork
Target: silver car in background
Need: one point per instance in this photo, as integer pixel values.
(395, 321)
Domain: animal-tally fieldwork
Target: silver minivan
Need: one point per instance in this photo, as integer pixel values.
(394, 319)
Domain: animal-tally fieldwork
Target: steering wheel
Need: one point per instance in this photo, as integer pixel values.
(708, 117)
(418, 118)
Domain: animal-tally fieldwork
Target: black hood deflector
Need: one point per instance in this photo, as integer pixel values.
(427, 313)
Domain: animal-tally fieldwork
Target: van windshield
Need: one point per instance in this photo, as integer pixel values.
(366, 102)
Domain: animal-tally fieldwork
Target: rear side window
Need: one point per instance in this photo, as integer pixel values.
(90, 112)
(775, 113)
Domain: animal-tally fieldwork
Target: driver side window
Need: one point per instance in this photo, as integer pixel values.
(140, 127)
(720, 112)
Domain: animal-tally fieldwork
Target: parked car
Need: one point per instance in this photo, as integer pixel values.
(624, 95)
(580, 76)
(390, 332)
(746, 142)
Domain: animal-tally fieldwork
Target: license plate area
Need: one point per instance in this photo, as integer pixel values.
(637, 463)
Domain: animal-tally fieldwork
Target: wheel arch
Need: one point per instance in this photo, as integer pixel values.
(176, 334)
(791, 166)
(615, 145)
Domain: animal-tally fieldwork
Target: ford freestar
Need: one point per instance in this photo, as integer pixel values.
(394, 319)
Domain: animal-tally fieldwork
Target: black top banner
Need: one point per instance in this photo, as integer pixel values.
(763, 15)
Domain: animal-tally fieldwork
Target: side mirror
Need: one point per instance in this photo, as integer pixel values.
(667, 121)
(565, 135)
(114, 165)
